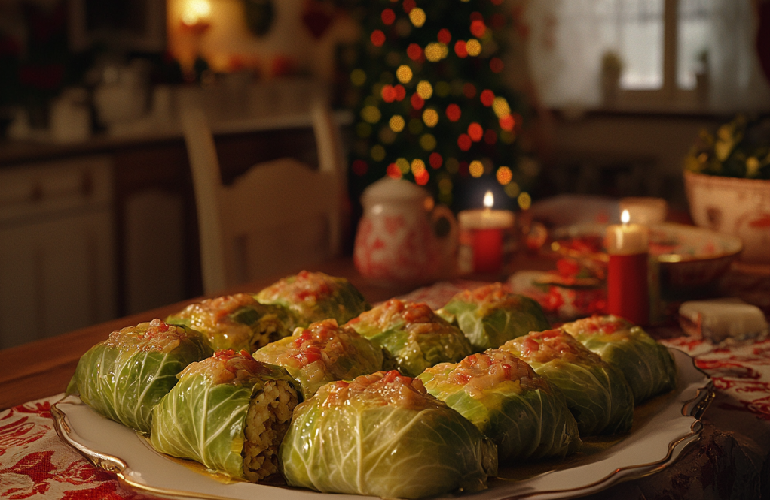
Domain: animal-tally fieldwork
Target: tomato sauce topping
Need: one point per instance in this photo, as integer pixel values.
(493, 295)
(549, 345)
(227, 365)
(213, 311)
(485, 371)
(597, 325)
(155, 336)
(307, 287)
(383, 388)
(394, 311)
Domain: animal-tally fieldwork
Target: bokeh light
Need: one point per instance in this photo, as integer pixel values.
(435, 52)
(487, 97)
(430, 117)
(464, 142)
(388, 16)
(393, 171)
(404, 73)
(417, 16)
(453, 112)
(370, 114)
(397, 123)
(461, 49)
(435, 160)
(478, 28)
(417, 101)
(475, 131)
(504, 175)
(525, 201)
(414, 52)
(428, 142)
(377, 38)
(476, 168)
(473, 47)
(377, 152)
(425, 89)
(444, 36)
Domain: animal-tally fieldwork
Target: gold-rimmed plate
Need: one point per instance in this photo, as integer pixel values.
(662, 428)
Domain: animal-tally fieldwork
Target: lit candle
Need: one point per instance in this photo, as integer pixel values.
(627, 273)
(485, 238)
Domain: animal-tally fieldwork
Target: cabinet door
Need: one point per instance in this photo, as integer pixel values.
(57, 254)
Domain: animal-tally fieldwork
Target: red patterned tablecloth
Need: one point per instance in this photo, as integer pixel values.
(733, 455)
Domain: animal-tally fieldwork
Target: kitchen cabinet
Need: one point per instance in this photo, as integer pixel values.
(57, 258)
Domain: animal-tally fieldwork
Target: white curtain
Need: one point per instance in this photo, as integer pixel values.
(565, 40)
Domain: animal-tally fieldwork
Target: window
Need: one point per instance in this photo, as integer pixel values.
(689, 53)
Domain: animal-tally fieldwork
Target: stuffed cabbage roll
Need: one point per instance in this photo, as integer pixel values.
(229, 412)
(237, 321)
(383, 435)
(597, 394)
(125, 376)
(412, 334)
(314, 296)
(491, 315)
(323, 352)
(647, 365)
(508, 402)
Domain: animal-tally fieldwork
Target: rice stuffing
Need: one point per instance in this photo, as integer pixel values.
(267, 421)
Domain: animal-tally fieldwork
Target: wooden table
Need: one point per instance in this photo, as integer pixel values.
(732, 455)
(43, 368)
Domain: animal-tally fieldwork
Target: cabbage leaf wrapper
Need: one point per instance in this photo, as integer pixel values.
(315, 296)
(597, 394)
(412, 334)
(507, 401)
(323, 352)
(237, 321)
(646, 364)
(125, 376)
(491, 315)
(228, 412)
(383, 435)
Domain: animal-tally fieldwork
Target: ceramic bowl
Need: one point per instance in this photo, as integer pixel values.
(736, 206)
(690, 259)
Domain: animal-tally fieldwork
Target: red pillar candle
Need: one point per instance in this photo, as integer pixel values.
(485, 236)
(627, 272)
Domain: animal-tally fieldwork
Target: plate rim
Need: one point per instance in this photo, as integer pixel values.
(694, 407)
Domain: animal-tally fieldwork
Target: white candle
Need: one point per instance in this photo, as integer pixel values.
(627, 239)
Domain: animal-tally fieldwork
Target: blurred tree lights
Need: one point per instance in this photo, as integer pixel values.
(431, 103)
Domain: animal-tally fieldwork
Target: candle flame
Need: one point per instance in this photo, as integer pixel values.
(625, 217)
(489, 199)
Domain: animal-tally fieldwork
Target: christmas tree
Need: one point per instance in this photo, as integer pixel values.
(427, 86)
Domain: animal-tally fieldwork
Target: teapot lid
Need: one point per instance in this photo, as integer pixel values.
(389, 188)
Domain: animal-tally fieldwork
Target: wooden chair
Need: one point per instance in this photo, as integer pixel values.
(275, 217)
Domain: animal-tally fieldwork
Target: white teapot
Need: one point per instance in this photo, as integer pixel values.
(403, 237)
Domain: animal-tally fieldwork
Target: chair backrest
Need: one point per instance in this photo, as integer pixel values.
(277, 216)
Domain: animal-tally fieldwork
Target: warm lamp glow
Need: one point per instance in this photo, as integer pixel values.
(489, 199)
(625, 217)
(196, 12)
